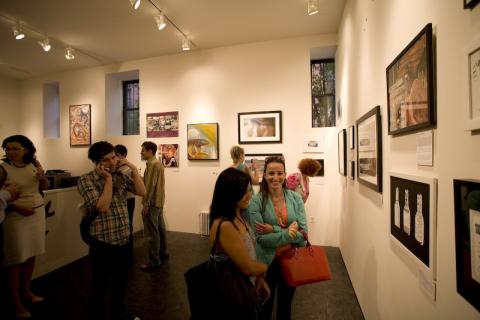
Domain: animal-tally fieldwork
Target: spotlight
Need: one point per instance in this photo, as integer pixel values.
(135, 4)
(185, 44)
(312, 7)
(160, 20)
(18, 32)
(45, 44)
(69, 53)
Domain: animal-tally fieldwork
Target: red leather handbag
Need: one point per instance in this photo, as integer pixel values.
(305, 265)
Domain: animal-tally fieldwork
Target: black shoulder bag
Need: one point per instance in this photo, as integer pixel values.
(85, 224)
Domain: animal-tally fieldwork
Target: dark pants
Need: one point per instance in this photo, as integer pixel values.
(109, 278)
(285, 294)
(1, 244)
(131, 209)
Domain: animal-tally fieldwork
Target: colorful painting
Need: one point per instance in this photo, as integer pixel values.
(202, 141)
(162, 125)
(80, 125)
(168, 154)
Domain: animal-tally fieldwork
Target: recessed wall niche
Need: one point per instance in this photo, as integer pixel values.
(51, 110)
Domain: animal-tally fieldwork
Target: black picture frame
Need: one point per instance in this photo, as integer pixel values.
(466, 195)
(342, 152)
(351, 169)
(410, 86)
(260, 127)
(470, 4)
(369, 149)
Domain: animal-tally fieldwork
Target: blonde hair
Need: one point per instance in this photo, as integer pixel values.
(236, 152)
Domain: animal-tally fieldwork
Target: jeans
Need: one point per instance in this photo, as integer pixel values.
(155, 234)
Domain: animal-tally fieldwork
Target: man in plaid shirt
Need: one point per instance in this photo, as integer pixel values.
(104, 190)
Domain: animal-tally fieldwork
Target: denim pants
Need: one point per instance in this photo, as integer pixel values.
(155, 234)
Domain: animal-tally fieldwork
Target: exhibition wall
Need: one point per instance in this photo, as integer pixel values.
(387, 280)
(9, 95)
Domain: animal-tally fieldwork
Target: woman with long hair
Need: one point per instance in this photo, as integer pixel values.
(24, 226)
(236, 241)
(278, 215)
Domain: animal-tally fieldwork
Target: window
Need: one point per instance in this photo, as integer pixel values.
(323, 93)
(131, 109)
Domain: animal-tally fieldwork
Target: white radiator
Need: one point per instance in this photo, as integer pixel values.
(204, 223)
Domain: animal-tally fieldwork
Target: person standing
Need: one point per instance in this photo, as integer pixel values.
(104, 191)
(299, 181)
(238, 157)
(152, 213)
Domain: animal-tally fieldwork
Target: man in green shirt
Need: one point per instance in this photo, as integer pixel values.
(152, 213)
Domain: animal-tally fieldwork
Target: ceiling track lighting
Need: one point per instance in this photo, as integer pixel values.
(69, 53)
(45, 44)
(135, 4)
(160, 20)
(18, 32)
(185, 44)
(312, 7)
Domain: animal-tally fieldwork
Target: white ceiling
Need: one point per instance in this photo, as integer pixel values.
(109, 31)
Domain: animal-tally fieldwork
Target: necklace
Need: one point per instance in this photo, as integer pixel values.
(23, 165)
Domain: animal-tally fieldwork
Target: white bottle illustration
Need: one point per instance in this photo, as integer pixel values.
(397, 209)
(406, 215)
(419, 224)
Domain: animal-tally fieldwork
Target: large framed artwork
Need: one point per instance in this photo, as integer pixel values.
(256, 162)
(162, 124)
(413, 215)
(202, 141)
(260, 127)
(80, 125)
(410, 87)
(470, 4)
(473, 106)
(168, 154)
(467, 239)
(323, 93)
(342, 152)
(369, 150)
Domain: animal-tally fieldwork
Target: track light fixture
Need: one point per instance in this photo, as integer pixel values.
(18, 32)
(160, 20)
(69, 53)
(135, 4)
(312, 7)
(185, 44)
(45, 44)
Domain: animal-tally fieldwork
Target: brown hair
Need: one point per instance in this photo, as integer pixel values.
(309, 167)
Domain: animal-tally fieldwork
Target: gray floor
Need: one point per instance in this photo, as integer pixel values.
(162, 294)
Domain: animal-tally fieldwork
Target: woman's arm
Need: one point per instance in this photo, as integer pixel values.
(40, 175)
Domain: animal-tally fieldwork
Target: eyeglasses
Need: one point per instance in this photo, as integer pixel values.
(8, 149)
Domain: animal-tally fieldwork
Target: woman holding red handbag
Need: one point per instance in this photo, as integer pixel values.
(278, 215)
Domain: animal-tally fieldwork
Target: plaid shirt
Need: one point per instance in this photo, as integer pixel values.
(112, 226)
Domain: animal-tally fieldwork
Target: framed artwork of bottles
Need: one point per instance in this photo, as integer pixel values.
(413, 217)
(467, 239)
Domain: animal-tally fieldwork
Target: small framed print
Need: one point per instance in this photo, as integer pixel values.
(342, 152)
(162, 124)
(313, 144)
(466, 195)
(168, 154)
(260, 127)
(473, 107)
(351, 169)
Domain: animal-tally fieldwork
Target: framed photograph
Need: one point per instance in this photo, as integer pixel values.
(351, 137)
(369, 150)
(80, 125)
(413, 215)
(168, 154)
(473, 111)
(202, 141)
(323, 93)
(313, 144)
(162, 124)
(342, 152)
(256, 162)
(470, 4)
(467, 239)
(410, 87)
(321, 173)
(351, 169)
(260, 127)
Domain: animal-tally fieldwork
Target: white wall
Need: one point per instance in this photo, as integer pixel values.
(204, 86)
(372, 34)
(9, 97)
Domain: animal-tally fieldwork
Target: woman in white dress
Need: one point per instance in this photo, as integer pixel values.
(24, 224)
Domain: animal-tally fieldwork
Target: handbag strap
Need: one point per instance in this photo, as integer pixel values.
(217, 234)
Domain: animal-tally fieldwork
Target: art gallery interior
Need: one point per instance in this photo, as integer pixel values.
(253, 56)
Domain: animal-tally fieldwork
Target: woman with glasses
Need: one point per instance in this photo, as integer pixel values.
(279, 218)
(24, 225)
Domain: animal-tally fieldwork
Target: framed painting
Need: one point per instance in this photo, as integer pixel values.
(162, 124)
(260, 127)
(256, 162)
(473, 109)
(410, 87)
(322, 74)
(202, 141)
(369, 149)
(351, 137)
(168, 154)
(321, 172)
(80, 125)
(342, 152)
(466, 195)
(413, 215)
(351, 169)
(313, 144)
(470, 4)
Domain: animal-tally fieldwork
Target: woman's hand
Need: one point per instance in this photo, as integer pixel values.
(292, 229)
(24, 211)
(263, 291)
(263, 228)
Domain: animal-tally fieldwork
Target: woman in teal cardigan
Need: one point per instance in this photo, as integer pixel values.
(278, 215)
